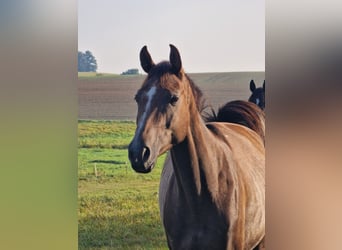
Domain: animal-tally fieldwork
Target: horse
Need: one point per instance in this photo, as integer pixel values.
(213, 182)
(258, 94)
(241, 112)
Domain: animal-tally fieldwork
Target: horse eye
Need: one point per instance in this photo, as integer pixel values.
(173, 100)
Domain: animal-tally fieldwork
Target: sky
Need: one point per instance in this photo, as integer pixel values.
(211, 36)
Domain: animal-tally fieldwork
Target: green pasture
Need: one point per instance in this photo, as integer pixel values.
(117, 208)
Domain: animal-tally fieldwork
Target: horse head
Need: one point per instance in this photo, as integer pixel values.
(258, 94)
(163, 116)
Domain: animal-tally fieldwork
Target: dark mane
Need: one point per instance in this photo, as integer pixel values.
(162, 72)
(241, 112)
(198, 95)
(159, 70)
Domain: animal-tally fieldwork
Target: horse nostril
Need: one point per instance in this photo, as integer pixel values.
(145, 154)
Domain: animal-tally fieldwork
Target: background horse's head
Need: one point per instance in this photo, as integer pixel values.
(258, 94)
(163, 110)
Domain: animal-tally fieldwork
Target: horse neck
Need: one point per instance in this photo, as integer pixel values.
(191, 160)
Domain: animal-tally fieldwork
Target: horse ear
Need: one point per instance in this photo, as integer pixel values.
(175, 60)
(263, 86)
(146, 61)
(252, 86)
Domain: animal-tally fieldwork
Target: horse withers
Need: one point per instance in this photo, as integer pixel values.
(212, 189)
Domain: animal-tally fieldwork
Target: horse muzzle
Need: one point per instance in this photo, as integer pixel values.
(140, 157)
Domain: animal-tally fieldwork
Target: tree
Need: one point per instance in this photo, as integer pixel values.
(86, 62)
(131, 72)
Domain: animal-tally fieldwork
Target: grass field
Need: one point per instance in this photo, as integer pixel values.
(118, 208)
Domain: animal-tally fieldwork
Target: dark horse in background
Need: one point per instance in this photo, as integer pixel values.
(212, 189)
(258, 94)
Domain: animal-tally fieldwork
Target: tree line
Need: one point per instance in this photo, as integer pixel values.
(86, 62)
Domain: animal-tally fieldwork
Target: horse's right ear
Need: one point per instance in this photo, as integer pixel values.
(146, 61)
(175, 60)
(252, 86)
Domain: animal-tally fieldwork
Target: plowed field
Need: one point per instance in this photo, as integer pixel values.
(111, 98)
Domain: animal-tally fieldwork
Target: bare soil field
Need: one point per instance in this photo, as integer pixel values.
(112, 98)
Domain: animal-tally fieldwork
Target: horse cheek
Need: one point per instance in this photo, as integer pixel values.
(181, 124)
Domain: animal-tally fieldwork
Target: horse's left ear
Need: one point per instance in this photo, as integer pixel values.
(175, 60)
(263, 86)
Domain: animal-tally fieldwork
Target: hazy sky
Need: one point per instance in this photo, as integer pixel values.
(212, 36)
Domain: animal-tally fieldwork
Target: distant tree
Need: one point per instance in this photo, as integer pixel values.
(86, 62)
(82, 62)
(131, 72)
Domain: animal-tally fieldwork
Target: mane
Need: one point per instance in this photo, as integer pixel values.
(241, 112)
(199, 97)
(160, 70)
(163, 70)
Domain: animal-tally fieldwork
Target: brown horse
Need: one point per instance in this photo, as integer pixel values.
(241, 112)
(258, 94)
(213, 193)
